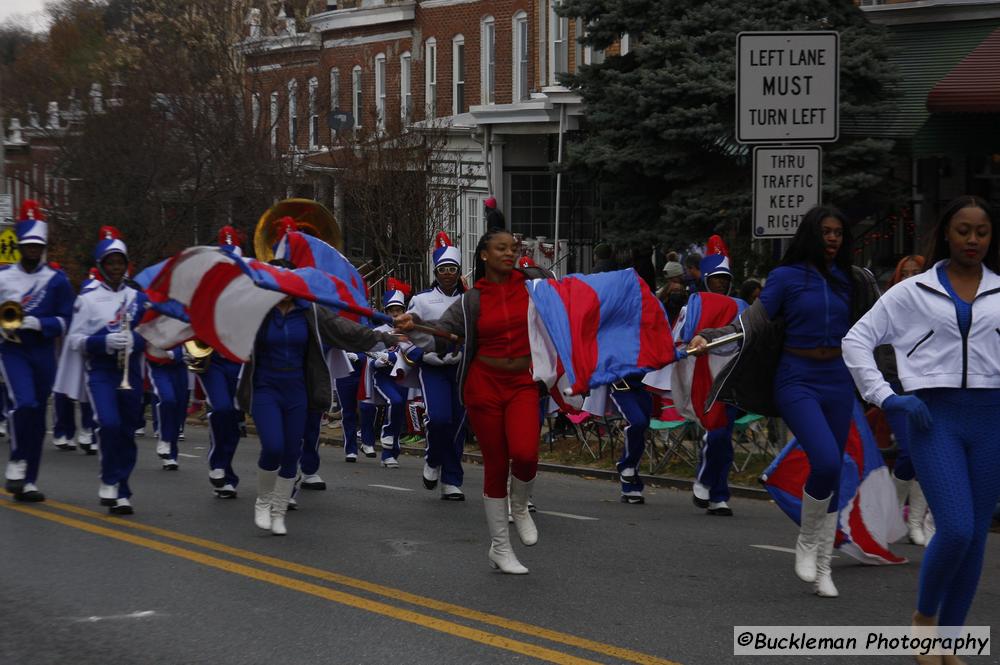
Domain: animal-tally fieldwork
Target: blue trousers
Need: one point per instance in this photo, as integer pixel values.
(958, 463)
(717, 458)
(279, 412)
(816, 400)
(635, 405)
(64, 416)
(395, 396)
(28, 372)
(118, 414)
(170, 387)
(218, 382)
(347, 395)
(310, 443)
(445, 421)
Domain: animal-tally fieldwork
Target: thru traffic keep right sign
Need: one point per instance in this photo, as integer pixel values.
(786, 183)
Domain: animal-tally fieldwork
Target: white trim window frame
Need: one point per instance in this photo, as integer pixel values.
(458, 74)
(488, 64)
(406, 88)
(380, 96)
(558, 44)
(313, 113)
(356, 96)
(255, 111)
(334, 96)
(275, 108)
(521, 50)
(293, 115)
(430, 78)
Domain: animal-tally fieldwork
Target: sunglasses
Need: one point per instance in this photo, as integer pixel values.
(447, 270)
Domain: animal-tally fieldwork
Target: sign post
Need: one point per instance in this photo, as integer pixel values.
(786, 184)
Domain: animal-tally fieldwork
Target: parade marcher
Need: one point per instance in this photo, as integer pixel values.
(103, 331)
(309, 463)
(438, 373)
(497, 386)
(285, 377)
(28, 355)
(169, 378)
(64, 422)
(347, 396)
(381, 385)
(943, 326)
(794, 369)
(218, 382)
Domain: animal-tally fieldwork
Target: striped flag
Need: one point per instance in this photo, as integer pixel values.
(307, 251)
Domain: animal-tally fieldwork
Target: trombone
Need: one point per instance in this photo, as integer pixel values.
(11, 315)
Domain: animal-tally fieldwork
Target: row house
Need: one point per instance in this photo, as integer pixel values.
(483, 73)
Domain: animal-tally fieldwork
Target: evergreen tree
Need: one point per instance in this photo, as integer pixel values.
(659, 136)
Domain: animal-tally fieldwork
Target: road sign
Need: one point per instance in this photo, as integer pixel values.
(787, 87)
(6, 209)
(8, 246)
(786, 183)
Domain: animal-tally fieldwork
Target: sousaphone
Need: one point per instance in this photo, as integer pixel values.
(310, 216)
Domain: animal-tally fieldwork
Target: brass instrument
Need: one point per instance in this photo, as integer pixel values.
(311, 217)
(123, 355)
(11, 315)
(197, 354)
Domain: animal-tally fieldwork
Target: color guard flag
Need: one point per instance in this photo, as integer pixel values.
(600, 328)
(307, 251)
(870, 518)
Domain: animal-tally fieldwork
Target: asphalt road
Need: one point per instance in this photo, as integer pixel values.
(378, 570)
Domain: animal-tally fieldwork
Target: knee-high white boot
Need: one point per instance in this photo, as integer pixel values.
(279, 504)
(824, 552)
(902, 491)
(501, 554)
(811, 522)
(520, 492)
(265, 492)
(915, 520)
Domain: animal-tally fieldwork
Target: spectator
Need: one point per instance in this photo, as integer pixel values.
(642, 262)
(750, 291)
(603, 259)
(692, 277)
(673, 294)
(494, 218)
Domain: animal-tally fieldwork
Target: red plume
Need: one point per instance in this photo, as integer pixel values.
(716, 245)
(30, 209)
(393, 284)
(229, 235)
(94, 273)
(109, 233)
(442, 240)
(285, 226)
(55, 266)
(525, 262)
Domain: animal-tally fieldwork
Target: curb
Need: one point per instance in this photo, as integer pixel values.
(579, 471)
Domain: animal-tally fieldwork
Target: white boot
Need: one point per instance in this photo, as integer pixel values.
(501, 555)
(265, 493)
(824, 552)
(279, 504)
(915, 520)
(902, 491)
(929, 528)
(519, 493)
(811, 521)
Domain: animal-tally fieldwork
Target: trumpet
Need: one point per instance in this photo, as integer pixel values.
(123, 356)
(11, 315)
(197, 354)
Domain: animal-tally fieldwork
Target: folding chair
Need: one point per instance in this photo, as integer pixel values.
(670, 438)
(750, 438)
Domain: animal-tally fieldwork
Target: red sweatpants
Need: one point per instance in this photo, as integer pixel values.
(503, 410)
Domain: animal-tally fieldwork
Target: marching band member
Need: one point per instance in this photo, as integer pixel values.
(286, 376)
(169, 379)
(943, 326)
(102, 330)
(445, 415)
(382, 387)
(497, 386)
(347, 397)
(28, 355)
(218, 382)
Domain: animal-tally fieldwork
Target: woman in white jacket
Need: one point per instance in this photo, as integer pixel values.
(944, 326)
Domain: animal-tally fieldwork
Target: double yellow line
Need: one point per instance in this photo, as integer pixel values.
(121, 533)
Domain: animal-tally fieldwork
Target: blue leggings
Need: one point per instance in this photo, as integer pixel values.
(717, 457)
(635, 405)
(395, 395)
(310, 443)
(816, 401)
(279, 411)
(958, 463)
(118, 414)
(170, 387)
(218, 382)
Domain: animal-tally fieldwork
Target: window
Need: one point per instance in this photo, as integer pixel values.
(334, 89)
(380, 91)
(458, 74)
(255, 111)
(521, 89)
(405, 88)
(430, 77)
(293, 114)
(558, 47)
(489, 61)
(313, 113)
(274, 123)
(543, 50)
(356, 96)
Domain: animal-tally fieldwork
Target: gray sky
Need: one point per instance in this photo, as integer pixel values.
(31, 10)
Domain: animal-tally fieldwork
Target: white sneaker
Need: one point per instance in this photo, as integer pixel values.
(227, 491)
(367, 451)
(163, 449)
(63, 443)
(390, 463)
(107, 494)
(180, 436)
(313, 482)
(170, 464)
(351, 457)
(431, 474)
(16, 470)
(140, 432)
(451, 493)
(85, 438)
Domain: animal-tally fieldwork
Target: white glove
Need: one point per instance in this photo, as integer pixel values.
(31, 323)
(381, 359)
(117, 341)
(352, 357)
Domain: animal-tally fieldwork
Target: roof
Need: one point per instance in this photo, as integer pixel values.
(973, 85)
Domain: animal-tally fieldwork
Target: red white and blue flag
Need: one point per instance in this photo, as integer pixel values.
(307, 251)
(220, 298)
(596, 329)
(870, 518)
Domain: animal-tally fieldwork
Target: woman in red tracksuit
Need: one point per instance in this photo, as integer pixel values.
(497, 387)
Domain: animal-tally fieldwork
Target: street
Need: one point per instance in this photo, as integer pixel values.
(378, 570)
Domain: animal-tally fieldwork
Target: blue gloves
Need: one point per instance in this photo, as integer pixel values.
(914, 408)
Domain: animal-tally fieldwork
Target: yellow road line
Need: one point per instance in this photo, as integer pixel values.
(378, 589)
(423, 620)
